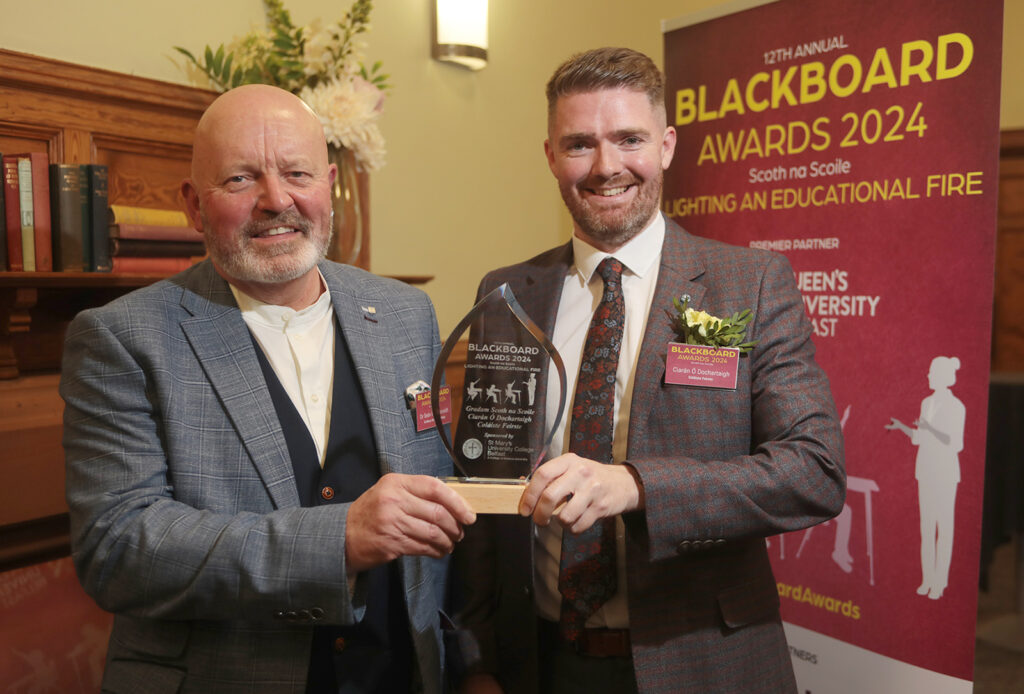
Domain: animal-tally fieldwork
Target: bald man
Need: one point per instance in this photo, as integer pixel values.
(248, 492)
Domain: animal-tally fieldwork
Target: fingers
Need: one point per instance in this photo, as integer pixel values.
(578, 492)
(404, 515)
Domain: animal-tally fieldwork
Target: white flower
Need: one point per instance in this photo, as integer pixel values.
(349, 108)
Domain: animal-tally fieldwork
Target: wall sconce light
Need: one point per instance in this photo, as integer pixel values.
(460, 32)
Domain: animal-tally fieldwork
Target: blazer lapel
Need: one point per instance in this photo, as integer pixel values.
(366, 324)
(223, 347)
(678, 273)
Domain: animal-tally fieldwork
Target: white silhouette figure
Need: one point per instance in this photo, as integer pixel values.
(472, 390)
(512, 395)
(531, 388)
(939, 437)
(492, 393)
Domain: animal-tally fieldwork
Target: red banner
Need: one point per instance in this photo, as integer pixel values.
(861, 140)
(53, 637)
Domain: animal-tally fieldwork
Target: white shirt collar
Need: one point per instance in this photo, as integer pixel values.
(283, 317)
(638, 255)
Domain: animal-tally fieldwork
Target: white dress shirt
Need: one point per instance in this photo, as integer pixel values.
(581, 293)
(300, 347)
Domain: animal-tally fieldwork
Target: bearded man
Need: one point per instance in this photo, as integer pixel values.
(248, 491)
(638, 562)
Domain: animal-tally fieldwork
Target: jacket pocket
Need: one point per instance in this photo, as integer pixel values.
(134, 676)
(748, 603)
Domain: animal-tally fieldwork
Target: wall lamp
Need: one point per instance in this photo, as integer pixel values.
(460, 32)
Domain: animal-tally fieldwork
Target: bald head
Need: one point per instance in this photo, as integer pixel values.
(233, 110)
(260, 191)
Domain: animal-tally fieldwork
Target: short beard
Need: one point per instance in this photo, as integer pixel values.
(237, 258)
(619, 230)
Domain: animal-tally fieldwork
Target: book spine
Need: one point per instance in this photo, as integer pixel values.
(98, 225)
(40, 162)
(66, 209)
(161, 266)
(128, 214)
(84, 221)
(154, 232)
(12, 202)
(139, 248)
(3, 222)
(28, 233)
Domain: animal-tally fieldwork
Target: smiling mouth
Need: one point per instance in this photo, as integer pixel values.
(275, 231)
(609, 192)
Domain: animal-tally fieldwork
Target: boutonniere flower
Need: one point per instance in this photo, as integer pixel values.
(701, 328)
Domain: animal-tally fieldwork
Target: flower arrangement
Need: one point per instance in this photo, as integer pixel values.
(701, 328)
(318, 63)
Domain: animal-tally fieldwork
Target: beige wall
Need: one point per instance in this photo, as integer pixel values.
(466, 187)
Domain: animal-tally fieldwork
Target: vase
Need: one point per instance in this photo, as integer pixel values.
(347, 222)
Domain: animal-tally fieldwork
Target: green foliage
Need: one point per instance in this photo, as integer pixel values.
(719, 332)
(278, 56)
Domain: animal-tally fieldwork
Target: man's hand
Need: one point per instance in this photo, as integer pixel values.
(579, 492)
(404, 515)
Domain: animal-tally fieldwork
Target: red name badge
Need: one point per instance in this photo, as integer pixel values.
(705, 367)
(425, 413)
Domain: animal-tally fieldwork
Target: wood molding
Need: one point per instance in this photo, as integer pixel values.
(27, 72)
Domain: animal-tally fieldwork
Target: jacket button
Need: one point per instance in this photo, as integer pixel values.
(327, 493)
(339, 644)
(683, 547)
(317, 613)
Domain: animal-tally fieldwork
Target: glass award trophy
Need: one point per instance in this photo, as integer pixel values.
(500, 437)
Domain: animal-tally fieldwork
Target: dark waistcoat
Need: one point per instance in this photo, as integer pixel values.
(376, 654)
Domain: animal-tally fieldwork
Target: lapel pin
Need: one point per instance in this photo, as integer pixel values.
(415, 389)
(369, 313)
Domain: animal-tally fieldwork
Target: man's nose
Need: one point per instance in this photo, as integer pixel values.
(274, 196)
(608, 162)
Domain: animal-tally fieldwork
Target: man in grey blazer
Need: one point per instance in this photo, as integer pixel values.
(701, 476)
(248, 492)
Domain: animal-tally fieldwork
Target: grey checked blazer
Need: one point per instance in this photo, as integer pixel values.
(721, 470)
(185, 518)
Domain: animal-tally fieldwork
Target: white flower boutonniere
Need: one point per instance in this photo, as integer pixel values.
(700, 328)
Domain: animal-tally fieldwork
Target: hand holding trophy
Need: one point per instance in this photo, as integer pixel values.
(500, 437)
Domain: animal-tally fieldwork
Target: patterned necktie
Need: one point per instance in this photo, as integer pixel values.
(587, 576)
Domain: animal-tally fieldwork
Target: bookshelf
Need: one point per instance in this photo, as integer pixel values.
(142, 130)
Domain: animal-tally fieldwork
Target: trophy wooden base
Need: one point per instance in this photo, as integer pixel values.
(489, 495)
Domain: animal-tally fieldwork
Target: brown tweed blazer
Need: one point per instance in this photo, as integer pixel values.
(721, 470)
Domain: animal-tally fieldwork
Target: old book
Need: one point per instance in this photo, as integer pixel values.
(26, 221)
(86, 214)
(41, 222)
(157, 266)
(3, 222)
(12, 205)
(98, 224)
(141, 248)
(66, 209)
(154, 232)
(128, 214)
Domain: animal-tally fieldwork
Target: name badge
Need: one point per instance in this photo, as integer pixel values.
(424, 412)
(704, 367)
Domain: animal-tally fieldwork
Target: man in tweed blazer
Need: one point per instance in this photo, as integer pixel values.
(187, 520)
(705, 474)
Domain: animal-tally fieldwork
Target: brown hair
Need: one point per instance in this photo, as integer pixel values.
(606, 68)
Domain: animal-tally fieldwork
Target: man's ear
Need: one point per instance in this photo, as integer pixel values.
(191, 197)
(668, 147)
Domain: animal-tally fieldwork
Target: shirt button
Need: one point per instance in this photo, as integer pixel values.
(327, 493)
(315, 398)
(339, 644)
